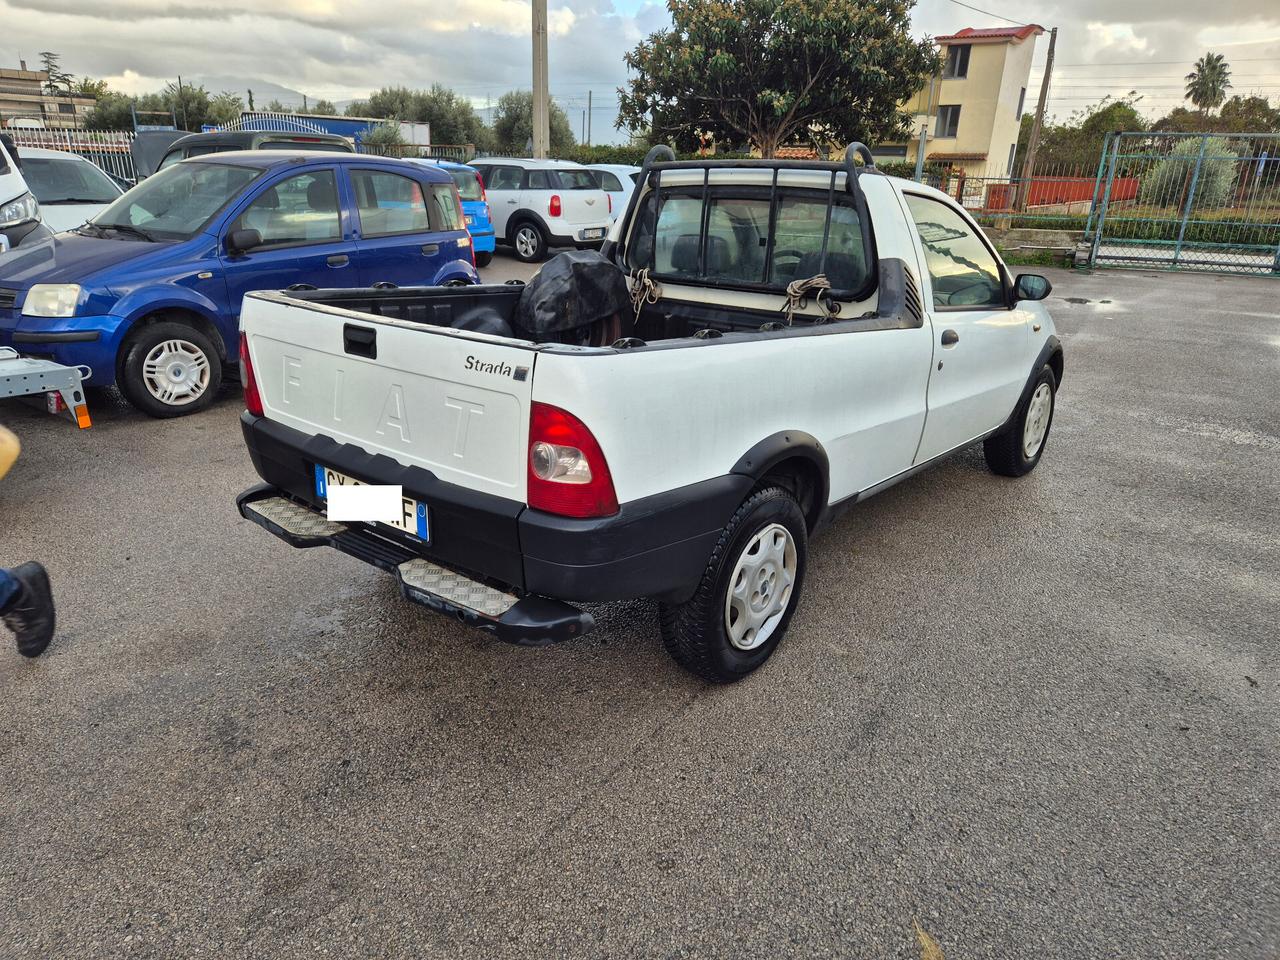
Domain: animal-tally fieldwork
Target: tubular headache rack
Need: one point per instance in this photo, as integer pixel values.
(661, 158)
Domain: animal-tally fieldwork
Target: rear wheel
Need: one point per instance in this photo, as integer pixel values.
(484, 259)
(529, 242)
(170, 370)
(749, 590)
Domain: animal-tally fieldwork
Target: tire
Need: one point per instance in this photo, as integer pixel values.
(484, 259)
(170, 370)
(1016, 449)
(529, 242)
(697, 633)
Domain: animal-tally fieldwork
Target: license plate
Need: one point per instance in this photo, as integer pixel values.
(593, 234)
(413, 518)
(471, 221)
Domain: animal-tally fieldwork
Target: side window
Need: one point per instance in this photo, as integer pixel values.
(963, 271)
(301, 209)
(503, 178)
(170, 158)
(389, 203)
(537, 180)
(608, 182)
(445, 212)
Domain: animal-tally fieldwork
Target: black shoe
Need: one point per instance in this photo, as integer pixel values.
(30, 613)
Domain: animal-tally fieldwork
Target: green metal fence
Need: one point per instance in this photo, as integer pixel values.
(1188, 201)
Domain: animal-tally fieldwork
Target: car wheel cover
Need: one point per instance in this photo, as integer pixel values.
(176, 372)
(527, 241)
(1036, 424)
(760, 588)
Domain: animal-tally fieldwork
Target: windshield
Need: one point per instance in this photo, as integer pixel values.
(67, 180)
(178, 202)
(468, 182)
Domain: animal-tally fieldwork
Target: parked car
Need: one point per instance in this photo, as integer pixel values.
(68, 187)
(689, 462)
(19, 209)
(618, 180)
(539, 204)
(201, 144)
(475, 206)
(148, 292)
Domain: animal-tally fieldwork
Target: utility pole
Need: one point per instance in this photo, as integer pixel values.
(1033, 142)
(588, 118)
(182, 103)
(541, 106)
(924, 132)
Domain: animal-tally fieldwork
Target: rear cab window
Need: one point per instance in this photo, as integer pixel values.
(752, 237)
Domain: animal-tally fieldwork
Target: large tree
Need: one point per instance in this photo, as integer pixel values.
(57, 80)
(1073, 147)
(1208, 81)
(452, 118)
(513, 124)
(776, 71)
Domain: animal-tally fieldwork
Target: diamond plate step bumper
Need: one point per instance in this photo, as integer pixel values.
(527, 621)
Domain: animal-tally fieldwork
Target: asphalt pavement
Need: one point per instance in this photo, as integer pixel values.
(1036, 717)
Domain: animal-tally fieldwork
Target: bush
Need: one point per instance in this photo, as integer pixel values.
(1167, 182)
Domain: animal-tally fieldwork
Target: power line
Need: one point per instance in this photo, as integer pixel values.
(1017, 23)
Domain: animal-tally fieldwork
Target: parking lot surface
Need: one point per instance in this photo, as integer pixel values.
(1037, 717)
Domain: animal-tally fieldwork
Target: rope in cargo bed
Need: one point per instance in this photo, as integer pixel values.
(798, 293)
(644, 289)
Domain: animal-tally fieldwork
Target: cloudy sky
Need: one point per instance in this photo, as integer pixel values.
(342, 50)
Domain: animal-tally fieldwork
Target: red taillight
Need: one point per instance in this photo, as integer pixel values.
(554, 207)
(252, 399)
(567, 471)
(484, 194)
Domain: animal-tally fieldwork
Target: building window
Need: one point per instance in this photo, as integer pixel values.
(66, 108)
(1022, 101)
(957, 67)
(948, 121)
(1013, 151)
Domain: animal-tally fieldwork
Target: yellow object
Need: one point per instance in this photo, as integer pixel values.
(9, 449)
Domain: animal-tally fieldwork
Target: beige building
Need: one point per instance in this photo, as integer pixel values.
(23, 102)
(971, 112)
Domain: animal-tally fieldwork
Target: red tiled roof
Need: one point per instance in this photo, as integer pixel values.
(995, 34)
(795, 153)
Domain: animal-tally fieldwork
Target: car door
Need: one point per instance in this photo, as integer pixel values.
(503, 186)
(400, 236)
(981, 341)
(300, 221)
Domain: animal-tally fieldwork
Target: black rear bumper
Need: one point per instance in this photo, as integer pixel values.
(654, 547)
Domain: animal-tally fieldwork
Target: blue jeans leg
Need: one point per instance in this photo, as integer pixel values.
(8, 588)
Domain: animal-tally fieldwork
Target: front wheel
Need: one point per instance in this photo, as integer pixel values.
(530, 243)
(748, 592)
(1016, 449)
(170, 370)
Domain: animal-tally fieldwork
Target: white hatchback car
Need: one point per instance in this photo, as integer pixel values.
(69, 189)
(539, 204)
(618, 180)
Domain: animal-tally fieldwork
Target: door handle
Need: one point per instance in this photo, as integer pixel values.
(513, 201)
(950, 338)
(338, 260)
(430, 249)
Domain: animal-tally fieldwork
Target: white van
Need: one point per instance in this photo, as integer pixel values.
(19, 211)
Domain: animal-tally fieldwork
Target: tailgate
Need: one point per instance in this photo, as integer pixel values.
(452, 402)
(588, 208)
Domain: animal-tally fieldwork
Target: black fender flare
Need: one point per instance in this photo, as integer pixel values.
(1052, 345)
(789, 445)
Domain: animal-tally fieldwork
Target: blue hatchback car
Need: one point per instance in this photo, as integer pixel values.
(475, 204)
(148, 293)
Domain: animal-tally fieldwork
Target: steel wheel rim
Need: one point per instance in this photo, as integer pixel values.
(1037, 420)
(761, 587)
(176, 372)
(527, 241)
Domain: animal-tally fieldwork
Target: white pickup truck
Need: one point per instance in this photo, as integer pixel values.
(807, 334)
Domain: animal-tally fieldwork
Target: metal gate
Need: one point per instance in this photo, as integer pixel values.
(1188, 201)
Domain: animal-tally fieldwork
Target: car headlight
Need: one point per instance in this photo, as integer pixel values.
(18, 211)
(51, 300)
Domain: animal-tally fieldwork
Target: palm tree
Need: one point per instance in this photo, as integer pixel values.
(1207, 84)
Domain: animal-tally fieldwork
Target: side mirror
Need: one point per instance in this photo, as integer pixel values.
(241, 241)
(1031, 286)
